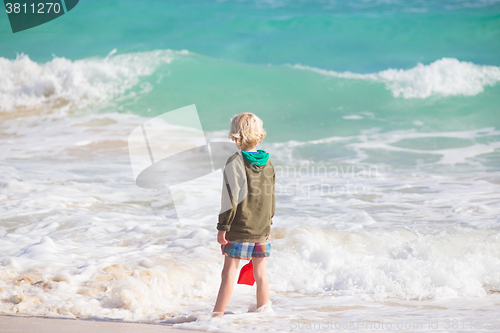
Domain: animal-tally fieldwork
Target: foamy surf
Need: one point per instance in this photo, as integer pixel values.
(91, 82)
(443, 77)
(388, 171)
(80, 240)
(369, 222)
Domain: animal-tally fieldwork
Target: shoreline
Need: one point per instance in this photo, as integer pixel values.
(41, 324)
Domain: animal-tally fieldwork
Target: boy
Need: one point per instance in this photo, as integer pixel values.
(248, 204)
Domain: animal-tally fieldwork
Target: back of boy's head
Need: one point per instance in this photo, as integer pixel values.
(247, 130)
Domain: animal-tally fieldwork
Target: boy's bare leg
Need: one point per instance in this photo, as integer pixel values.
(226, 286)
(260, 275)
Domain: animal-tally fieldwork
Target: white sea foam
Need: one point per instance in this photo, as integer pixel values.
(79, 239)
(465, 153)
(443, 77)
(79, 83)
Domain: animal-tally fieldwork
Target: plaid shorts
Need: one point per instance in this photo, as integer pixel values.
(244, 250)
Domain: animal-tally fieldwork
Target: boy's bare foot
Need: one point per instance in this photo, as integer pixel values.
(217, 314)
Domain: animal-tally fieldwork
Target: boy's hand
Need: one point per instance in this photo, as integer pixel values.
(221, 237)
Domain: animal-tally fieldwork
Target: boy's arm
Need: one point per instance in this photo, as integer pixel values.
(228, 206)
(273, 199)
(233, 182)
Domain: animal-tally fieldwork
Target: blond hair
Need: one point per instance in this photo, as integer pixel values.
(247, 130)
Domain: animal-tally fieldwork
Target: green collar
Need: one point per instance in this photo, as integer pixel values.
(260, 158)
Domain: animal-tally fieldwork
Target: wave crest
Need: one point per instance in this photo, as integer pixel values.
(79, 83)
(443, 77)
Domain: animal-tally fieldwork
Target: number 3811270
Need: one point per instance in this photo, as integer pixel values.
(39, 8)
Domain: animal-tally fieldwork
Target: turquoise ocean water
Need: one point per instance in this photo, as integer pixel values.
(244, 50)
(408, 90)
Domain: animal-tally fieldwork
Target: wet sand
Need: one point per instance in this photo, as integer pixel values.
(10, 323)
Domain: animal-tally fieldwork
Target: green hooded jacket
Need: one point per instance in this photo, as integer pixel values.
(248, 199)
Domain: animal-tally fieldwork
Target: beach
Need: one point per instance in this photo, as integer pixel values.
(382, 125)
(46, 324)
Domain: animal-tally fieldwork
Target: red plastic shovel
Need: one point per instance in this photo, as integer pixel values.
(246, 274)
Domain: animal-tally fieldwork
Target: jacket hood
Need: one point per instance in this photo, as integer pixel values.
(259, 159)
